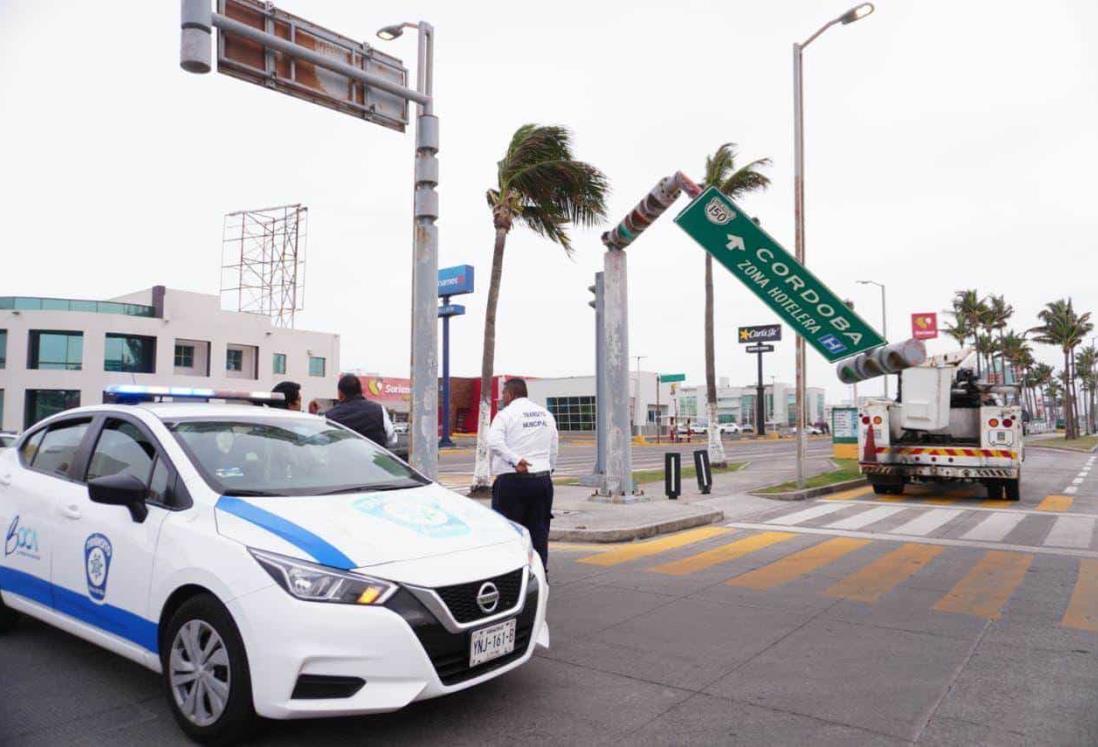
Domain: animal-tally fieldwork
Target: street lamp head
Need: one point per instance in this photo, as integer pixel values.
(391, 32)
(856, 13)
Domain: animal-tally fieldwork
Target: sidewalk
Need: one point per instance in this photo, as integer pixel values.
(577, 519)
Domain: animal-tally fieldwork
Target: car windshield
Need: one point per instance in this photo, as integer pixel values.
(288, 457)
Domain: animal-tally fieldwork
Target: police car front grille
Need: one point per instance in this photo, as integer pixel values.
(461, 599)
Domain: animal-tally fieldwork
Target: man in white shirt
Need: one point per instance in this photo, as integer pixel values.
(523, 442)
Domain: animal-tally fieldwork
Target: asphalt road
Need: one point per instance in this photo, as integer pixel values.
(936, 618)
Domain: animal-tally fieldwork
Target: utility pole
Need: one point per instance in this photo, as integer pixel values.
(854, 14)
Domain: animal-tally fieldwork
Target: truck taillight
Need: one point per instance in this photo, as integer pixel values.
(865, 420)
(877, 420)
(994, 422)
(1007, 423)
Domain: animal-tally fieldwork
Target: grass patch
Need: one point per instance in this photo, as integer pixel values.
(1086, 443)
(645, 476)
(848, 470)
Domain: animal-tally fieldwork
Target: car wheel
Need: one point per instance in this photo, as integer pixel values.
(8, 617)
(205, 671)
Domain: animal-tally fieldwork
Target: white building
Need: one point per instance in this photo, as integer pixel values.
(736, 404)
(61, 353)
(572, 399)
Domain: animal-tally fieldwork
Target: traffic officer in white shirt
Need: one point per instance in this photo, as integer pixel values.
(523, 441)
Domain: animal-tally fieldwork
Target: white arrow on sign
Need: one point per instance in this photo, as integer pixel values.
(735, 242)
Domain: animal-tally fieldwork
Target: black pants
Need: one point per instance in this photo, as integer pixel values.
(528, 501)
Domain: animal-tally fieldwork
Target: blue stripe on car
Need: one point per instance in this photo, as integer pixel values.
(322, 551)
(109, 618)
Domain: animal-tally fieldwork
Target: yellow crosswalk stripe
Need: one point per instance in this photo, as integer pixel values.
(988, 586)
(635, 550)
(798, 564)
(1055, 503)
(722, 554)
(1082, 611)
(849, 495)
(885, 573)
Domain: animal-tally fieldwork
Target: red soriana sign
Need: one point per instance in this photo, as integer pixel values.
(384, 389)
(924, 326)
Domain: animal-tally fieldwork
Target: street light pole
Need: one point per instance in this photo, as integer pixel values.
(884, 319)
(424, 401)
(856, 13)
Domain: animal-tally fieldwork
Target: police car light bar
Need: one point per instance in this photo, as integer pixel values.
(142, 393)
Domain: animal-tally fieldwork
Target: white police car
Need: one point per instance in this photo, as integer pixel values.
(265, 561)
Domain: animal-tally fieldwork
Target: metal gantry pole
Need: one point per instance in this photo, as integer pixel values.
(619, 457)
(424, 441)
(798, 217)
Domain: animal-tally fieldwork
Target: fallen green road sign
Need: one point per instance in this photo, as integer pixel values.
(791, 291)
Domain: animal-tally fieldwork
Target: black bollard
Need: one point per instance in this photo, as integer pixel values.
(672, 474)
(701, 466)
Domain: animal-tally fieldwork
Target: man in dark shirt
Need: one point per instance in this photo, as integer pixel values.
(360, 414)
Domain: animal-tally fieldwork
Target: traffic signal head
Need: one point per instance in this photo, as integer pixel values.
(889, 359)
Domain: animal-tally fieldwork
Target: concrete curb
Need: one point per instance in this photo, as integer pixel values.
(643, 531)
(802, 495)
(1062, 449)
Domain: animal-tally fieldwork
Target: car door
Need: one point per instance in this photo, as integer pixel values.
(34, 482)
(103, 558)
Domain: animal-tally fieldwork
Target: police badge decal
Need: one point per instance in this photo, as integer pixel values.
(97, 565)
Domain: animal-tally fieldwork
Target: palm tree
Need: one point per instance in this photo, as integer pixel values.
(1042, 376)
(1013, 350)
(721, 172)
(1086, 367)
(539, 185)
(969, 313)
(1063, 327)
(997, 317)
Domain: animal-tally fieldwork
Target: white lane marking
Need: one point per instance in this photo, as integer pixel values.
(809, 513)
(970, 509)
(1077, 481)
(865, 518)
(1070, 531)
(1071, 489)
(928, 522)
(994, 527)
(943, 541)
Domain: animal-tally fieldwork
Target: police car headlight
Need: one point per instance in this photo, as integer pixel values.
(316, 583)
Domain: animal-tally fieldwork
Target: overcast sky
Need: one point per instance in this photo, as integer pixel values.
(948, 144)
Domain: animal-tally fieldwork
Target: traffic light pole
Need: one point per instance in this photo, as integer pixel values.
(619, 460)
(597, 479)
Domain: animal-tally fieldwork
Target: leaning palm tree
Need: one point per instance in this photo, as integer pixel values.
(1042, 377)
(539, 185)
(721, 172)
(1063, 327)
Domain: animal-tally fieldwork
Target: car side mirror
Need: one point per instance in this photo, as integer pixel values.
(121, 490)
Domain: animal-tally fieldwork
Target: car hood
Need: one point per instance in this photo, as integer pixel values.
(359, 530)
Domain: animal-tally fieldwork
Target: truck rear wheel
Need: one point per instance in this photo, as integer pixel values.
(1013, 489)
(994, 489)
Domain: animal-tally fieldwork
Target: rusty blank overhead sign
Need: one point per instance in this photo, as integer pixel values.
(251, 61)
